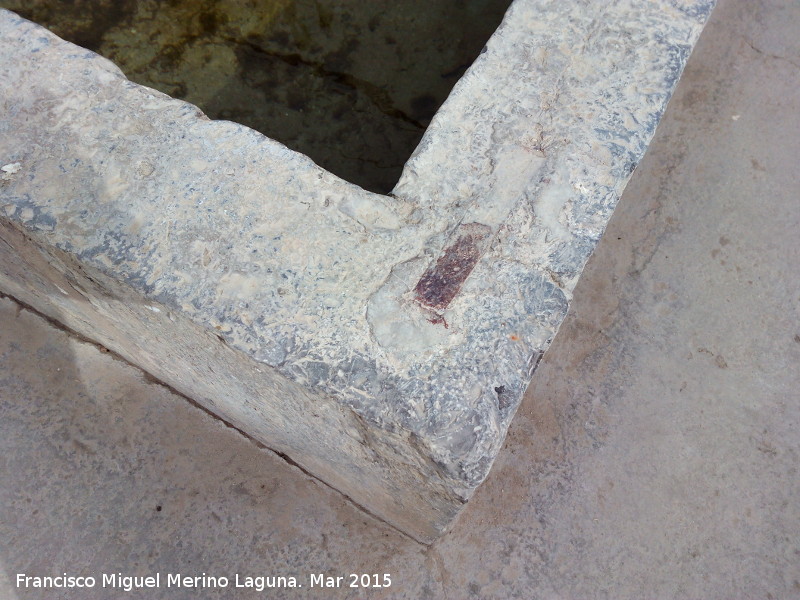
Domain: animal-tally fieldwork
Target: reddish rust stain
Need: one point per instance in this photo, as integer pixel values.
(438, 319)
(442, 281)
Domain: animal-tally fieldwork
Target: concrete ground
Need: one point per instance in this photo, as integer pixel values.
(655, 455)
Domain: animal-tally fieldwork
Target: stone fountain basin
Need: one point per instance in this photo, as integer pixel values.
(381, 343)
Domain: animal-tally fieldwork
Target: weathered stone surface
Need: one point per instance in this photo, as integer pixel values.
(382, 343)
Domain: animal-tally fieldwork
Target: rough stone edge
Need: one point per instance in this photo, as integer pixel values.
(334, 445)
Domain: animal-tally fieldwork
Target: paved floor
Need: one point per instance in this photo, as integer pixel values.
(655, 455)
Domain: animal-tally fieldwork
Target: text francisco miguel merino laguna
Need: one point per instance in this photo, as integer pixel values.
(259, 583)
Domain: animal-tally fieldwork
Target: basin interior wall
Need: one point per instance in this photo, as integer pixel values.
(353, 85)
(382, 343)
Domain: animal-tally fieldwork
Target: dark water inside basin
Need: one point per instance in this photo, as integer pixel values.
(351, 83)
